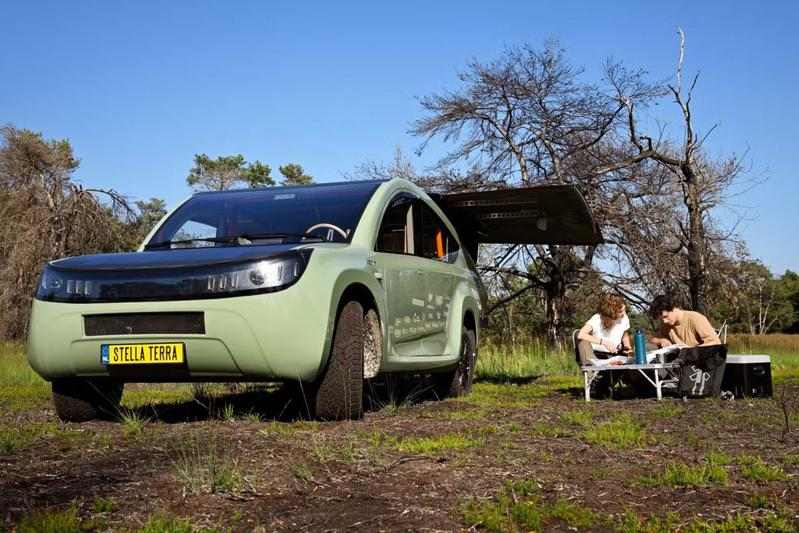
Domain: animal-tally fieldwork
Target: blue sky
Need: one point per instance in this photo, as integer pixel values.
(140, 87)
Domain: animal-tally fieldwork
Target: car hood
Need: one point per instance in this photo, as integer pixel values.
(177, 258)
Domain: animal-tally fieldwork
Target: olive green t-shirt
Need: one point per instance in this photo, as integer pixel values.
(694, 329)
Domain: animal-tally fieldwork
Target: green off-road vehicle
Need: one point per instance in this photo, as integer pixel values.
(323, 285)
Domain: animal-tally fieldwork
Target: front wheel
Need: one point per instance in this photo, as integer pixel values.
(458, 381)
(339, 393)
(81, 400)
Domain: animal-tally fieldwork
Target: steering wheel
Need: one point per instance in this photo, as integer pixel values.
(333, 227)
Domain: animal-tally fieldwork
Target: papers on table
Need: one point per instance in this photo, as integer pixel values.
(614, 361)
(655, 354)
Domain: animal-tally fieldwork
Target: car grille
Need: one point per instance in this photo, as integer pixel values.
(138, 323)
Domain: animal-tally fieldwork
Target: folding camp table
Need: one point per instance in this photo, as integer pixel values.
(590, 372)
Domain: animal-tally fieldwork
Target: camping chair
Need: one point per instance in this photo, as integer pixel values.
(722, 332)
(591, 377)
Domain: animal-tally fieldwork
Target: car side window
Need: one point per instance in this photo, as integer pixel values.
(435, 241)
(396, 235)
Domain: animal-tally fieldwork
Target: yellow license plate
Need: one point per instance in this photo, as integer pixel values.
(143, 354)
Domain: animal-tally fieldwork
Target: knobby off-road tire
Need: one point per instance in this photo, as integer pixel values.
(339, 393)
(458, 382)
(81, 400)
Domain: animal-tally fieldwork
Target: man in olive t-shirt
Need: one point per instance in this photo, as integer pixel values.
(679, 326)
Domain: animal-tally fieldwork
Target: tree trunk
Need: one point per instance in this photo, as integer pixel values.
(555, 292)
(696, 242)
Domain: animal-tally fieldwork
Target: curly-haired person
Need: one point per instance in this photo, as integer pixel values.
(605, 333)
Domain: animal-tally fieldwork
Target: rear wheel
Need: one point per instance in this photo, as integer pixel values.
(458, 381)
(81, 400)
(339, 393)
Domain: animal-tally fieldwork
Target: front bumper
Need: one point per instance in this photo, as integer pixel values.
(280, 336)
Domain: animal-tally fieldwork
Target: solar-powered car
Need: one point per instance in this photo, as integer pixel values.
(324, 285)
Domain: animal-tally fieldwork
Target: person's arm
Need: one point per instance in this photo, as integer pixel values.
(661, 338)
(660, 342)
(705, 331)
(625, 342)
(586, 334)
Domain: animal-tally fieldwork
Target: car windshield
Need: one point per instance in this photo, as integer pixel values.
(270, 215)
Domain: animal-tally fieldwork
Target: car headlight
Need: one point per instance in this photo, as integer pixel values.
(83, 286)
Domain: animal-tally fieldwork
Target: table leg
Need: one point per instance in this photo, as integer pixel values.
(587, 386)
(658, 385)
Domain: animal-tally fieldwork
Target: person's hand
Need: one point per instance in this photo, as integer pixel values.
(662, 343)
(616, 363)
(607, 345)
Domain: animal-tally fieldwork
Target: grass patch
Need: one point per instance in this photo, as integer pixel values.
(455, 415)
(580, 418)
(510, 396)
(436, 445)
(51, 521)
(668, 409)
(693, 475)
(103, 505)
(503, 362)
(551, 431)
(621, 431)
(132, 423)
(19, 436)
(156, 394)
(433, 445)
(288, 429)
(20, 387)
(164, 523)
(754, 468)
(519, 507)
(302, 472)
(203, 467)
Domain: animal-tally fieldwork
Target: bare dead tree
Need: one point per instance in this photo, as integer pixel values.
(703, 182)
(527, 119)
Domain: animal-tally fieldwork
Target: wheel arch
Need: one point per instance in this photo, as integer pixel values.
(354, 290)
(470, 321)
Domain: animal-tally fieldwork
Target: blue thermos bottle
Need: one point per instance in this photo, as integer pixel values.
(639, 341)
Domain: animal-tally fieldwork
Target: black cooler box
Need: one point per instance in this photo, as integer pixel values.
(748, 375)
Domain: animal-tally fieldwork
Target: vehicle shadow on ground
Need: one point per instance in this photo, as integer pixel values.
(509, 380)
(281, 403)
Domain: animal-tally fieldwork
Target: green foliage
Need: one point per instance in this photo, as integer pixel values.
(224, 172)
(202, 466)
(621, 431)
(20, 387)
(51, 521)
(630, 522)
(132, 422)
(149, 213)
(755, 469)
(302, 472)
(501, 361)
(580, 418)
(103, 505)
(684, 475)
(436, 445)
(46, 215)
(164, 523)
(293, 174)
(518, 507)
(667, 409)
(15, 437)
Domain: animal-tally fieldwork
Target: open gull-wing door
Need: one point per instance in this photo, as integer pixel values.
(547, 214)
